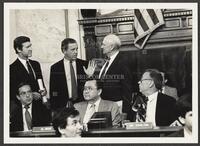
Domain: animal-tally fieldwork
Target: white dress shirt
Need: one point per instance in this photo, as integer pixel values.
(24, 119)
(88, 116)
(151, 108)
(23, 62)
(68, 75)
(110, 62)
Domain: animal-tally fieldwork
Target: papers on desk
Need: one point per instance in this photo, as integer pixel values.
(138, 125)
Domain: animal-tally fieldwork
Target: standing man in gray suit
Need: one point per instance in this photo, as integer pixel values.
(94, 103)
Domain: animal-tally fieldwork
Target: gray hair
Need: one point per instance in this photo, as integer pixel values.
(114, 39)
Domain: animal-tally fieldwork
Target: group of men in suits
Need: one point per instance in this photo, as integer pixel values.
(69, 76)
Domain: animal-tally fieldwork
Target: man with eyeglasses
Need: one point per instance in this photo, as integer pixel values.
(160, 108)
(29, 112)
(94, 103)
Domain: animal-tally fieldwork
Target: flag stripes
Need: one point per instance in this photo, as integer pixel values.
(146, 21)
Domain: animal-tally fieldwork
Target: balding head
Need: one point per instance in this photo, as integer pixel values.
(111, 43)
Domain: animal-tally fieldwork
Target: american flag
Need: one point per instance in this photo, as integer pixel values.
(146, 21)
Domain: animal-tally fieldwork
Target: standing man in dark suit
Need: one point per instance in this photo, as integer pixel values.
(29, 112)
(161, 108)
(116, 74)
(24, 69)
(66, 76)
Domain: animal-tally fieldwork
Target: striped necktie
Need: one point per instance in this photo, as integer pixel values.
(103, 73)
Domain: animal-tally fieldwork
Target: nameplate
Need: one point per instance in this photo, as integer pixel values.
(138, 125)
(43, 129)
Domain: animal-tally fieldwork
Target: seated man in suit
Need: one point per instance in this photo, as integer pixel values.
(184, 105)
(160, 108)
(94, 103)
(29, 113)
(170, 91)
(66, 122)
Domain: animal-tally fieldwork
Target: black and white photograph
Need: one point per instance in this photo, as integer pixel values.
(100, 73)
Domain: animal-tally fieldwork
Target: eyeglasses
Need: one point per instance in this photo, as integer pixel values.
(25, 93)
(88, 88)
(139, 82)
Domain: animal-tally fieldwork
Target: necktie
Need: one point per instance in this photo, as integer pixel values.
(73, 82)
(141, 112)
(104, 70)
(30, 70)
(28, 117)
(90, 113)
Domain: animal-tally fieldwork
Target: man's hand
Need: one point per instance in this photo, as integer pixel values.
(43, 92)
(91, 68)
(36, 96)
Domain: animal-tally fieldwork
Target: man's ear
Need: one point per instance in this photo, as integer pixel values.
(61, 131)
(151, 83)
(18, 50)
(18, 97)
(182, 120)
(99, 91)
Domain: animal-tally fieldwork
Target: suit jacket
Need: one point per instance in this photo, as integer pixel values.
(18, 74)
(104, 105)
(170, 91)
(166, 111)
(117, 84)
(58, 83)
(40, 115)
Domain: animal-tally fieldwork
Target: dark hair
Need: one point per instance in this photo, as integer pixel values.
(184, 104)
(66, 42)
(20, 85)
(17, 43)
(60, 117)
(98, 82)
(156, 76)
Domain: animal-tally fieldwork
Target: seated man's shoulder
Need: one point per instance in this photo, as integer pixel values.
(79, 104)
(109, 103)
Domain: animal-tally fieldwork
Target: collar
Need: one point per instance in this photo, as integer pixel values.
(96, 103)
(114, 55)
(22, 60)
(30, 106)
(153, 96)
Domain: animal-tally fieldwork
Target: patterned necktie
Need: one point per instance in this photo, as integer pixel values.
(90, 113)
(103, 73)
(28, 117)
(73, 82)
(141, 112)
(30, 70)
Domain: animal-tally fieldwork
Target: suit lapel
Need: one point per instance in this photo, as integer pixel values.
(113, 66)
(83, 110)
(21, 67)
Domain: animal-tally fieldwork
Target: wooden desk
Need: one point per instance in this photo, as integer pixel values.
(122, 132)
(111, 132)
(32, 134)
